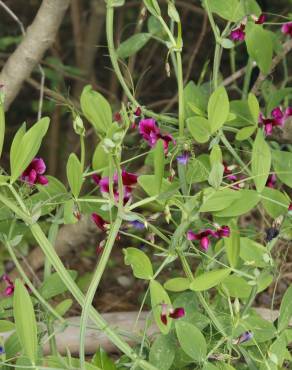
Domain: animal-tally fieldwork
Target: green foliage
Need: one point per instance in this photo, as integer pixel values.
(133, 44)
(74, 174)
(218, 109)
(260, 161)
(139, 262)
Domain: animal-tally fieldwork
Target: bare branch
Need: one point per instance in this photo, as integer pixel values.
(38, 38)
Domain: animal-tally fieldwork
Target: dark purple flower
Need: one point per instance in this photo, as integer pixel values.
(238, 34)
(34, 173)
(246, 336)
(183, 158)
(174, 313)
(290, 207)
(99, 221)
(2, 350)
(151, 133)
(137, 225)
(205, 235)
(271, 181)
(118, 117)
(261, 19)
(287, 29)
(278, 118)
(138, 112)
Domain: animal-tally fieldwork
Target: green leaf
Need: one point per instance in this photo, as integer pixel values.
(220, 200)
(247, 201)
(218, 109)
(245, 133)
(209, 279)
(227, 9)
(133, 44)
(275, 202)
(216, 175)
(64, 306)
(25, 146)
(96, 109)
(259, 46)
(199, 129)
(209, 366)
(25, 321)
(252, 252)
(254, 107)
(236, 286)
(177, 284)
(159, 162)
(261, 160)
(232, 245)
(196, 97)
(148, 183)
(191, 340)
(115, 3)
(285, 310)
(158, 296)
(140, 263)
(2, 122)
(100, 157)
(162, 352)
(6, 325)
(74, 174)
(172, 12)
(153, 7)
(216, 155)
(198, 169)
(102, 360)
(53, 285)
(282, 163)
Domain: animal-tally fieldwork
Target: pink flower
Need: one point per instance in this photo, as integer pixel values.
(128, 179)
(290, 207)
(204, 236)
(174, 313)
(287, 29)
(278, 118)
(238, 34)
(271, 181)
(151, 133)
(34, 173)
(99, 221)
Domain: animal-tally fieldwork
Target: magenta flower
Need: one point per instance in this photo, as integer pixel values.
(151, 133)
(261, 19)
(271, 181)
(238, 34)
(278, 118)
(34, 173)
(290, 207)
(287, 29)
(10, 285)
(99, 221)
(138, 112)
(205, 235)
(174, 313)
(128, 179)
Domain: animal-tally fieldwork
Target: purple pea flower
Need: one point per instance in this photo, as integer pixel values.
(261, 19)
(238, 33)
(287, 29)
(151, 133)
(271, 181)
(244, 337)
(278, 118)
(290, 207)
(205, 235)
(128, 179)
(174, 313)
(183, 158)
(138, 225)
(10, 285)
(34, 173)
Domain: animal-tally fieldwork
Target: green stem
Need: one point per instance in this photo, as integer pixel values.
(116, 67)
(247, 78)
(250, 300)
(82, 152)
(94, 285)
(181, 113)
(202, 300)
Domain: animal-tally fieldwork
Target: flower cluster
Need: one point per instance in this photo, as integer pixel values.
(128, 179)
(204, 235)
(278, 118)
(34, 173)
(151, 133)
(174, 313)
